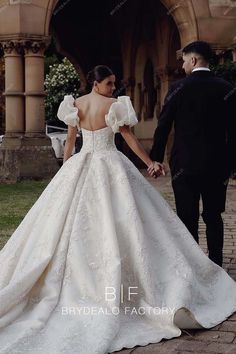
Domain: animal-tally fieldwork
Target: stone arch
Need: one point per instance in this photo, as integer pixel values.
(97, 43)
(184, 16)
(51, 7)
(25, 29)
(182, 13)
(163, 50)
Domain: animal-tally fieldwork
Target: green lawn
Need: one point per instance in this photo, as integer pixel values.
(15, 200)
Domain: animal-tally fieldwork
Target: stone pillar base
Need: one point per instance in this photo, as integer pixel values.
(27, 159)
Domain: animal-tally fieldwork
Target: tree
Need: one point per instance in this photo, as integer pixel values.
(61, 80)
(227, 71)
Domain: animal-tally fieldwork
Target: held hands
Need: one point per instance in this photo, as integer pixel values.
(155, 169)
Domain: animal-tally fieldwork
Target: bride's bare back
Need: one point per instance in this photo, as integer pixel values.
(92, 109)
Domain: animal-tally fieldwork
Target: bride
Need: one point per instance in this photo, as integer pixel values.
(101, 262)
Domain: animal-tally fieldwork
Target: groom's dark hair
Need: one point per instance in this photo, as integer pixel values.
(199, 47)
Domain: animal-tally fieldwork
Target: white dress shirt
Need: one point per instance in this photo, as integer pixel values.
(201, 69)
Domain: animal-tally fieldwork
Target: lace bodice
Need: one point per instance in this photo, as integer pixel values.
(100, 140)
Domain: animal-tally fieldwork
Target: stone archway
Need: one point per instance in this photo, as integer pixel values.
(181, 11)
(24, 55)
(150, 38)
(183, 14)
(89, 41)
(24, 35)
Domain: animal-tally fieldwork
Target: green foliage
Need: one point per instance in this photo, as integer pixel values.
(61, 80)
(227, 71)
(49, 61)
(52, 56)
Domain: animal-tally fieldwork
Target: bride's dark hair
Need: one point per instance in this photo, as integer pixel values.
(98, 73)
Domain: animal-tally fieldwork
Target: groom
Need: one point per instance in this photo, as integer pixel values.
(202, 108)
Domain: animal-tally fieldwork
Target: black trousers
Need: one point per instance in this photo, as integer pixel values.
(187, 190)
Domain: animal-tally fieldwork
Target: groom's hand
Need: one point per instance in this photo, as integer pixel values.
(156, 169)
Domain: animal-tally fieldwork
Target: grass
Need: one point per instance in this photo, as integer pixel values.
(15, 201)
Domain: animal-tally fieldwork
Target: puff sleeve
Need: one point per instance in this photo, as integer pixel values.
(67, 112)
(121, 113)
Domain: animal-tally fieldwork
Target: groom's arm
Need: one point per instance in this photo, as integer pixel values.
(164, 125)
(230, 100)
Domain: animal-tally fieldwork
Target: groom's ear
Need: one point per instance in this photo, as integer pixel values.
(193, 60)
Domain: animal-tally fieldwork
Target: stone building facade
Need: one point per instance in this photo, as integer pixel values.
(140, 39)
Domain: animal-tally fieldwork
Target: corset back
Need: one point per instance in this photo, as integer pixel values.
(98, 140)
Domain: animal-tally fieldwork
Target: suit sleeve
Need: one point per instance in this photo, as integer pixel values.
(230, 100)
(164, 125)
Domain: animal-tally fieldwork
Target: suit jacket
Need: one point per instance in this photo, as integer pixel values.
(203, 110)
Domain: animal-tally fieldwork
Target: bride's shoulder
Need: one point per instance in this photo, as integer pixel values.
(122, 103)
(112, 100)
(121, 100)
(107, 102)
(81, 99)
(125, 102)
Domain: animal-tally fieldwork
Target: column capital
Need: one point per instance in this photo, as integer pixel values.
(12, 47)
(25, 46)
(35, 47)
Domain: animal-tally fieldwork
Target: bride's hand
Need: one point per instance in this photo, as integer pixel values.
(151, 170)
(155, 169)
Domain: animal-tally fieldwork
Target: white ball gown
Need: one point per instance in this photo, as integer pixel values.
(101, 261)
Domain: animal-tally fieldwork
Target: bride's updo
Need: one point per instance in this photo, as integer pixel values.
(98, 73)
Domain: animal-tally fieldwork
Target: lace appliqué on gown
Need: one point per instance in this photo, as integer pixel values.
(98, 226)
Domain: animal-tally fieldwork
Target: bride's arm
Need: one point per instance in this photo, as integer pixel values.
(70, 142)
(135, 145)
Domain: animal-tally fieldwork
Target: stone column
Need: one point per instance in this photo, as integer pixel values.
(34, 89)
(14, 92)
(26, 151)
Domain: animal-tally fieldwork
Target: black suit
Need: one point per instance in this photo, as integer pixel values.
(202, 108)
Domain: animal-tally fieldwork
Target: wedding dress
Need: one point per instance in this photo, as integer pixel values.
(101, 261)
